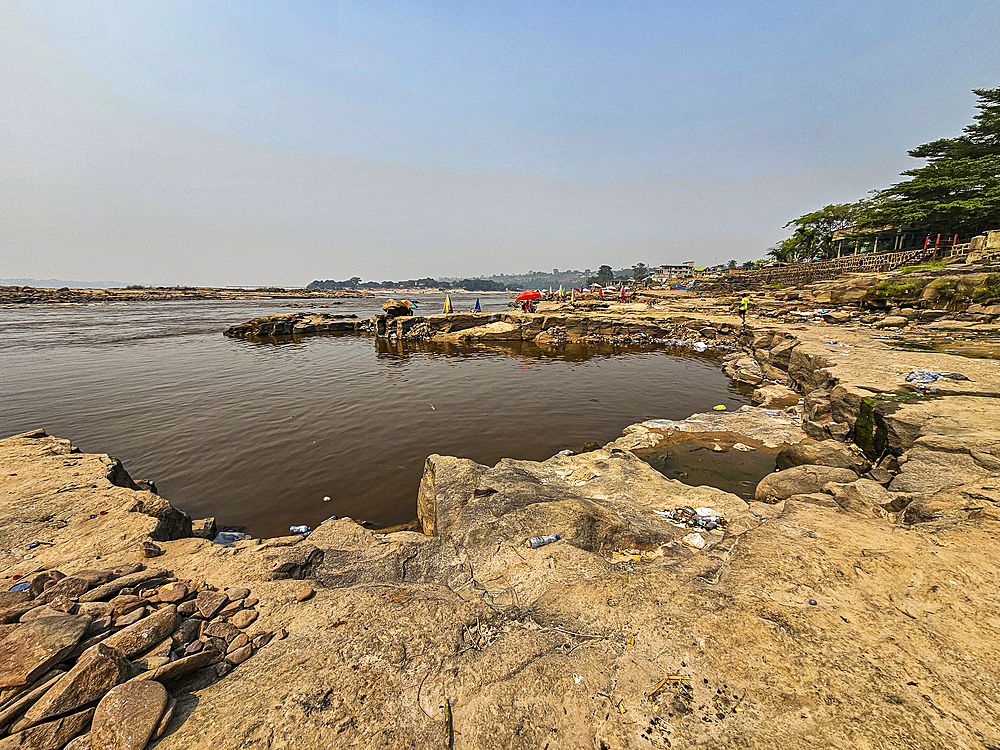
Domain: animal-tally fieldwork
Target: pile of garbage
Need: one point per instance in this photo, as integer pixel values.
(929, 376)
(694, 518)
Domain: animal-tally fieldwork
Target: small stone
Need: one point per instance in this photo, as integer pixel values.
(224, 667)
(203, 528)
(244, 618)
(282, 634)
(126, 570)
(250, 601)
(171, 593)
(124, 603)
(231, 609)
(71, 587)
(150, 550)
(188, 608)
(147, 593)
(93, 577)
(39, 582)
(98, 626)
(181, 667)
(240, 655)
(120, 584)
(210, 602)
(128, 715)
(63, 604)
(236, 594)
(29, 652)
(261, 640)
(238, 642)
(193, 648)
(303, 594)
(188, 631)
(222, 629)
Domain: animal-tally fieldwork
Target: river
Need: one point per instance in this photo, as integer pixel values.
(258, 434)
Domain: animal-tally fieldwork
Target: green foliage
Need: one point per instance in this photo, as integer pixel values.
(894, 289)
(137, 286)
(640, 271)
(929, 265)
(605, 275)
(813, 235)
(958, 190)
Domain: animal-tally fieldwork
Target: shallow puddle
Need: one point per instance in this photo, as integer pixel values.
(711, 459)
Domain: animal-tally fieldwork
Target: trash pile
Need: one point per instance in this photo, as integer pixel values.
(694, 518)
(929, 376)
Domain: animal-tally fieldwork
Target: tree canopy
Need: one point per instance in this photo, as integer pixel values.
(813, 235)
(958, 190)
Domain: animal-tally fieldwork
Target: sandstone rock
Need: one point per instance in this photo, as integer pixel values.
(815, 498)
(204, 528)
(124, 603)
(240, 655)
(93, 577)
(94, 674)
(12, 598)
(51, 735)
(168, 714)
(43, 580)
(244, 618)
(149, 549)
(815, 430)
(231, 609)
(303, 594)
(210, 602)
(394, 308)
(892, 321)
(188, 631)
(17, 704)
(29, 651)
(171, 592)
(837, 316)
(128, 715)
(237, 594)
(774, 396)
(188, 608)
(262, 639)
(800, 480)
(250, 601)
(126, 581)
(44, 611)
(131, 618)
(177, 669)
(79, 743)
(238, 642)
(822, 453)
(70, 586)
(193, 648)
(64, 604)
(225, 630)
(146, 633)
(862, 497)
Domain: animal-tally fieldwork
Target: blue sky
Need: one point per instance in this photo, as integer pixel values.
(276, 142)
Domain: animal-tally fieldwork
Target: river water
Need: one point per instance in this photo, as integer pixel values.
(257, 434)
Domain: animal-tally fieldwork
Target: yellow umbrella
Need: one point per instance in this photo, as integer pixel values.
(447, 304)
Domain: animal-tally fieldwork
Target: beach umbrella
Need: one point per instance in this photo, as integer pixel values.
(560, 291)
(572, 296)
(447, 304)
(477, 308)
(623, 292)
(529, 294)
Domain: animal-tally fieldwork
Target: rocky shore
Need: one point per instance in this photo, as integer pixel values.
(852, 603)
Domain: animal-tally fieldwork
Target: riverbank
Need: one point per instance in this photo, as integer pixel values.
(853, 604)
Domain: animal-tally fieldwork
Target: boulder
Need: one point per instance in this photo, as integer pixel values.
(893, 321)
(774, 396)
(395, 309)
(29, 651)
(128, 716)
(800, 480)
(97, 671)
(819, 453)
(863, 497)
(126, 581)
(203, 528)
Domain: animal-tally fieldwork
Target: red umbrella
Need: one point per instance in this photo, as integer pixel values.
(530, 294)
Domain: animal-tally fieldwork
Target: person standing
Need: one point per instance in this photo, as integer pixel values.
(744, 306)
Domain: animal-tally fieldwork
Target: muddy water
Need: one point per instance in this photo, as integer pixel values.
(258, 434)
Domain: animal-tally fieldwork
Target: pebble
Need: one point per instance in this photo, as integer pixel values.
(306, 593)
(244, 618)
(150, 550)
(240, 655)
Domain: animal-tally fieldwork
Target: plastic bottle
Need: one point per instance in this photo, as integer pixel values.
(540, 541)
(300, 529)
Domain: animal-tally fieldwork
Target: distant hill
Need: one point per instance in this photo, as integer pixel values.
(59, 284)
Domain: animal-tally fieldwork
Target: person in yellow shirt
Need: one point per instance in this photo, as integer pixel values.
(744, 306)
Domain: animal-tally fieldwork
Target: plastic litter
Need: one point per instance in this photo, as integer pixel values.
(698, 518)
(303, 530)
(34, 544)
(743, 447)
(230, 537)
(720, 407)
(695, 540)
(540, 541)
(929, 376)
(326, 498)
(331, 518)
(22, 586)
(813, 602)
(699, 346)
(773, 413)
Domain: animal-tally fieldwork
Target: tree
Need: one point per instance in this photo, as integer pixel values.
(813, 235)
(605, 275)
(640, 271)
(958, 190)
(731, 265)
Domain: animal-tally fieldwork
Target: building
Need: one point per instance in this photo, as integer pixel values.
(669, 273)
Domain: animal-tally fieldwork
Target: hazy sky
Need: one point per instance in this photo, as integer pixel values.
(242, 142)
